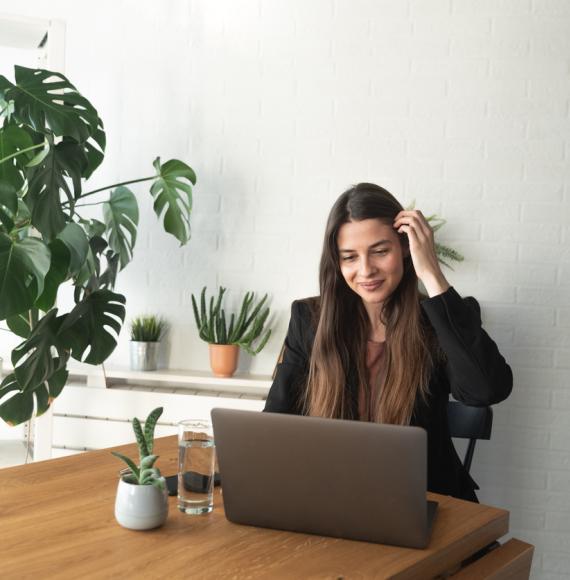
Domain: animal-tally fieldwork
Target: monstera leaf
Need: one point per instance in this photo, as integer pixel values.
(94, 149)
(20, 407)
(12, 140)
(47, 184)
(68, 254)
(23, 268)
(17, 408)
(88, 324)
(34, 359)
(121, 215)
(8, 204)
(47, 102)
(172, 194)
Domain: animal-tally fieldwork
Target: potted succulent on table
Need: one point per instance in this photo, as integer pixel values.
(142, 499)
(225, 339)
(146, 333)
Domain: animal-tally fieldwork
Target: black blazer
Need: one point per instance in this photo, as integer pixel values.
(474, 372)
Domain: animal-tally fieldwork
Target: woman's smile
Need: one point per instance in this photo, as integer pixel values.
(371, 285)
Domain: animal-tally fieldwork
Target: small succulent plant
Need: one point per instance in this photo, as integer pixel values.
(145, 473)
(149, 328)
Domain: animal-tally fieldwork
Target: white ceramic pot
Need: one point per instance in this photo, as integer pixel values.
(141, 507)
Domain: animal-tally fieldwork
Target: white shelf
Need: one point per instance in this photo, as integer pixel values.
(190, 377)
(179, 379)
(95, 376)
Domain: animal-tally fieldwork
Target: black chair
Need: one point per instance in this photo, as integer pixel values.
(471, 423)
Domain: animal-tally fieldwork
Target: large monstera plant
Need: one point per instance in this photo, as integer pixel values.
(51, 142)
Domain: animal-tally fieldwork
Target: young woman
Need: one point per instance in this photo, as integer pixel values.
(372, 348)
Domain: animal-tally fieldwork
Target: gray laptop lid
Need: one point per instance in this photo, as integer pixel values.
(347, 479)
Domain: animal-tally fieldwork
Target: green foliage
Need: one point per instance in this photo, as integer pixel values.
(51, 141)
(149, 328)
(145, 473)
(242, 330)
(442, 251)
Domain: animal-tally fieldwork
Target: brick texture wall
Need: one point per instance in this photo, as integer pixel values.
(460, 105)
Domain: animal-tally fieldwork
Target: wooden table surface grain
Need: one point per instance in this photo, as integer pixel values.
(57, 521)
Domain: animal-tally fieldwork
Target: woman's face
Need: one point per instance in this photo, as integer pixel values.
(371, 259)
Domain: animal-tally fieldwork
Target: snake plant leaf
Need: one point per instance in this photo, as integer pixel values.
(141, 441)
(94, 323)
(132, 466)
(47, 102)
(17, 408)
(147, 462)
(19, 324)
(23, 268)
(121, 214)
(12, 140)
(48, 182)
(149, 426)
(172, 193)
(34, 359)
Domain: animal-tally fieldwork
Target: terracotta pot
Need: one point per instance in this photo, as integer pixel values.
(224, 359)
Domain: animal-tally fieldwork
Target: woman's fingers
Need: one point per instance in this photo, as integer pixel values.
(416, 220)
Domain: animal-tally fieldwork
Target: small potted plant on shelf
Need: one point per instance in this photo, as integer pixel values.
(225, 339)
(146, 333)
(142, 500)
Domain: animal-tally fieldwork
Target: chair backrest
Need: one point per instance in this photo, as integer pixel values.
(466, 422)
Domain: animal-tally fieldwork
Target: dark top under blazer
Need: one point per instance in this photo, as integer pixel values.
(474, 372)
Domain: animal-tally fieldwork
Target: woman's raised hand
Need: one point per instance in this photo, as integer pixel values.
(422, 250)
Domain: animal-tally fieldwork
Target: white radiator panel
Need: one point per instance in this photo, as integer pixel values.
(92, 418)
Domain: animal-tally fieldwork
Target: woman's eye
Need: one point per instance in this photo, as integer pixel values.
(347, 258)
(381, 252)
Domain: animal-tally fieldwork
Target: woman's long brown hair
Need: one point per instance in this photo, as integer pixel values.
(343, 325)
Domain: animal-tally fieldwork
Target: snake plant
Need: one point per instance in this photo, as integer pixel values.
(145, 473)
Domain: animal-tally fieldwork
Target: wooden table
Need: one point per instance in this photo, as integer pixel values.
(56, 521)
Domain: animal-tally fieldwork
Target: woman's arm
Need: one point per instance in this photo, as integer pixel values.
(477, 372)
(291, 374)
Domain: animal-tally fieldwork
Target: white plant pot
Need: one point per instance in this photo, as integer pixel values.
(140, 507)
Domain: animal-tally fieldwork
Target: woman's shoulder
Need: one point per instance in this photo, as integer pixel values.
(306, 310)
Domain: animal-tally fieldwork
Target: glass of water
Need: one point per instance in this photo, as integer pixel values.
(196, 466)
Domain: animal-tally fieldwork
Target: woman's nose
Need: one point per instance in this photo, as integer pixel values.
(365, 267)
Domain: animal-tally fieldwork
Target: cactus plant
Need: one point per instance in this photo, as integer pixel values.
(242, 330)
(145, 473)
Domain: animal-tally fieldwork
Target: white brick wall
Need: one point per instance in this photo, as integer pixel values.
(462, 105)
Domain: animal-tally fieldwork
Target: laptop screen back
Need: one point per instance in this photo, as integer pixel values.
(347, 479)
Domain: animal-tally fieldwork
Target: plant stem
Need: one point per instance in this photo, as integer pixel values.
(114, 185)
(21, 151)
(94, 203)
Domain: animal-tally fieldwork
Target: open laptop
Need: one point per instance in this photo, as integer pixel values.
(347, 479)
